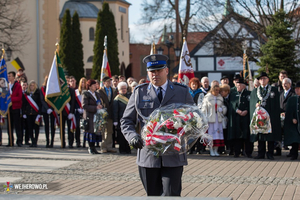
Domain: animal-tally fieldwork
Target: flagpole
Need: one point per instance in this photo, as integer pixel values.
(8, 113)
(60, 114)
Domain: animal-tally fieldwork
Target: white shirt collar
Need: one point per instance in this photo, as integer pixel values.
(164, 86)
(287, 91)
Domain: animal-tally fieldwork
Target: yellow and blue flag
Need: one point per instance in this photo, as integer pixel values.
(5, 100)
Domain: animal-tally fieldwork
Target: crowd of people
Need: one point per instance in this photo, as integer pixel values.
(228, 110)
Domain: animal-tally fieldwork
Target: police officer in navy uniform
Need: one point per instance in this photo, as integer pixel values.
(160, 175)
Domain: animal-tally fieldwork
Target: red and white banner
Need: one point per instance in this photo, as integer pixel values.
(186, 71)
(73, 125)
(105, 70)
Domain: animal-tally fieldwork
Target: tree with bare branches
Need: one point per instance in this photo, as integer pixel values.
(13, 25)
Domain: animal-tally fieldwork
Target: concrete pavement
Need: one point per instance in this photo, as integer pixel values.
(73, 172)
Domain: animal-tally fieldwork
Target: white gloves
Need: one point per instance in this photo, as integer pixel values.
(115, 123)
(80, 110)
(220, 109)
(38, 116)
(49, 111)
(24, 116)
(70, 116)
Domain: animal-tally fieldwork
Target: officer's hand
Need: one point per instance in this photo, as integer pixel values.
(220, 109)
(115, 123)
(49, 111)
(244, 113)
(257, 105)
(70, 116)
(24, 116)
(294, 121)
(137, 142)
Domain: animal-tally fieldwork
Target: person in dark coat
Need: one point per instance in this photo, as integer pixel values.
(282, 75)
(91, 102)
(119, 106)
(68, 117)
(239, 132)
(195, 91)
(47, 111)
(292, 123)
(267, 97)
(285, 94)
(236, 78)
(32, 112)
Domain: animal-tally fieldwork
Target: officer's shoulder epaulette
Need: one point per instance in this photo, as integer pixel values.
(141, 85)
(180, 84)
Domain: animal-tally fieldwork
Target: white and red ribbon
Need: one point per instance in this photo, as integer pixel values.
(78, 98)
(73, 125)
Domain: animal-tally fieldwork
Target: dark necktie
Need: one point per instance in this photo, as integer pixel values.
(159, 95)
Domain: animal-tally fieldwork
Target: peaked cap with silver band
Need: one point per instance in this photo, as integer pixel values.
(155, 62)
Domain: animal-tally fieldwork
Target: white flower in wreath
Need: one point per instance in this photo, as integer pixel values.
(199, 124)
(272, 95)
(177, 124)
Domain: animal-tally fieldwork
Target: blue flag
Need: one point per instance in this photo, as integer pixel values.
(5, 100)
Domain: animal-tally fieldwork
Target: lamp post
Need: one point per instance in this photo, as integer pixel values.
(160, 51)
(8, 53)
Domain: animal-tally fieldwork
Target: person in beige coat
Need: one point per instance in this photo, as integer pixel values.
(213, 107)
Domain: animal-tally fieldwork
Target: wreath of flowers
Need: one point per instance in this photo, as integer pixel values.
(174, 129)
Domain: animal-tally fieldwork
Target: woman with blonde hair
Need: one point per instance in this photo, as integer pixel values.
(214, 108)
(31, 111)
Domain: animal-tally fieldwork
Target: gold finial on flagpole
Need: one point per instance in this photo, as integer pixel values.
(183, 39)
(3, 52)
(57, 46)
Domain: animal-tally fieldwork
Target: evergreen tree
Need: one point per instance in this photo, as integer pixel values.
(106, 26)
(77, 49)
(279, 51)
(65, 43)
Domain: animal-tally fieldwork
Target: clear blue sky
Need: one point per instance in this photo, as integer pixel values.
(134, 11)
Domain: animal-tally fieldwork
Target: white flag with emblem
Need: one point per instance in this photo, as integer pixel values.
(186, 71)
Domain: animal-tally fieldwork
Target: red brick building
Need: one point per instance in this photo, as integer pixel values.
(139, 51)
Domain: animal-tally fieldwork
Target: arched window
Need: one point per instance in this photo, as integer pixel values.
(90, 59)
(92, 34)
(122, 27)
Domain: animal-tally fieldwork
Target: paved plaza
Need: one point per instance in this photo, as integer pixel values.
(75, 172)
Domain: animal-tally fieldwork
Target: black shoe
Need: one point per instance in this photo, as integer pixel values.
(294, 157)
(27, 143)
(278, 152)
(90, 151)
(249, 156)
(259, 157)
(47, 146)
(289, 155)
(78, 146)
(269, 156)
(236, 156)
(19, 145)
(230, 153)
(33, 145)
(70, 147)
(9, 145)
(95, 151)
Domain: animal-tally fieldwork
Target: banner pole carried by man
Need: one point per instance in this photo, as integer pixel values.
(57, 91)
(105, 69)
